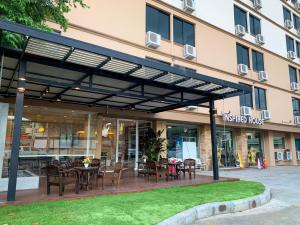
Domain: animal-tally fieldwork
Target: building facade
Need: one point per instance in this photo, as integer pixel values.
(244, 41)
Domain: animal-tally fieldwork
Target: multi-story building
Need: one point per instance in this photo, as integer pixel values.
(253, 42)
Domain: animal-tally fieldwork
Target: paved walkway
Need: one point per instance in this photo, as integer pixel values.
(284, 208)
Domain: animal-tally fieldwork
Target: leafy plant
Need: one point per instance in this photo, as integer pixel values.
(34, 13)
(152, 144)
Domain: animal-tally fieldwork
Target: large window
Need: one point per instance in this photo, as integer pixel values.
(293, 74)
(255, 27)
(246, 99)
(260, 98)
(258, 61)
(279, 142)
(242, 55)
(297, 143)
(287, 14)
(296, 21)
(296, 106)
(158, 22)
(184, 32)
(290, 44)
(240, 17)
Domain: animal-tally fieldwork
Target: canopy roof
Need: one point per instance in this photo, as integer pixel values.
(64, 69)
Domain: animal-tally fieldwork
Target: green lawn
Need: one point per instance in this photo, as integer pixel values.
(135, 208)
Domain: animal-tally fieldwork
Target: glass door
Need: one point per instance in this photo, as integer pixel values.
(127, 142)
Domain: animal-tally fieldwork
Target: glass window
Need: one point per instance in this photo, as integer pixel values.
(158, 22)
(242, 55)
(298, 49)
(297, 143)
(287, 14)
(290, 44)
(258, 61)
(260, 98)
(296, 21)
(184, 32)
(255, 27)
(296, 106)
(240, 17)
(227, 152)
(279, 142)
(246, 99)
(255, 147)
(293, 74)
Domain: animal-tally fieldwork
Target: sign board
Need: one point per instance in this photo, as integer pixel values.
(242, 119)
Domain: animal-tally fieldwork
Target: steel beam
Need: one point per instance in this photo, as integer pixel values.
(212, 115)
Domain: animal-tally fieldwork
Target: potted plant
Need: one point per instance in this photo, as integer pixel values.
(152, 144)
(86, 162)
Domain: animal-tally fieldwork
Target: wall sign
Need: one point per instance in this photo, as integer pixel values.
(242, 119)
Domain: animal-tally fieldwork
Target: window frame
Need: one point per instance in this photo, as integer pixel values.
(246, 98)
(287, 14)
(184, 36)
(239, 46)
(252, 21)
(293, 76)
(257, 64)
(296, 106)
(260, 100)
(237, 13)
(292, 41)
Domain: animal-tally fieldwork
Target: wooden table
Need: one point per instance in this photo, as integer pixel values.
(84, 177)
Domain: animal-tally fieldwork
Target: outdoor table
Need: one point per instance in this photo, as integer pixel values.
(84, 177)
(174, 169)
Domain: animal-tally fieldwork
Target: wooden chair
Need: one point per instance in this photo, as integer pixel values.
(189, 166)
(153, 169)
(57, 176)
(95, 162)
(77, 163)
(117, 174)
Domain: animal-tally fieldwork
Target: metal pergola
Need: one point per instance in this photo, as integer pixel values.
(51, 67)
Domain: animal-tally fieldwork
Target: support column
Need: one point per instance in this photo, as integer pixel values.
(205, 146)
(14, 158)
(241, 146)
(292, 146)
(99, 136)
(162, 126)
(212, 116)
(269, 148)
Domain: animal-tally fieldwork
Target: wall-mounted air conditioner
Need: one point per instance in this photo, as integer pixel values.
(242, 69)
(245, 111)
(189, 52)
(260, 39)
(297, 120)
(262, 76)
(189, 5)
(153, 39)
(298, 155)
(291, 55)
(288, 24)
(278, 156)
(265, 115)
(257, 4)
(287, 155)
(191, 107)
(294, 86)
(240, 30)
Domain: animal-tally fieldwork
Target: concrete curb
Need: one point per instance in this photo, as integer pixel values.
(216, 208)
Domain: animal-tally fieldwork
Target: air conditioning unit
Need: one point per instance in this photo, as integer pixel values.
(294, 86)
(262, 76)
(189, 5)
(265, 115)
(242, 69)
(189, 52)
(288, 24)
(297, 120)
(287, 155)
(260, 39)
(298, 155)
(245, 111)
(257, 4)
(278, 156)
(191, 107)
(291, 55)
(240, 30)
(153, 39)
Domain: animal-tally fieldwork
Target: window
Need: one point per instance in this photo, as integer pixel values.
(246, 99)
(255, 27)
(258, 61)
(184, 32)
(293, 74)
(279, 142)
(297, 143)
(158, 22)
(296, 21)
(240, 17)
(242, 55)
(290, 43)
(296, 106)
(260, 98)
(287, 14)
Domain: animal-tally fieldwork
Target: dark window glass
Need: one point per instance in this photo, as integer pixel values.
(184, 32)
(293, 74)
(258, 61)
(260, 98)
(296, 106)
(296, 21)
(240, 17)
(255, 27)
(298, 48)
(158, 22)
(246, 99)
(297, 143)
(242, 55)
(290, 43)
(287, 14)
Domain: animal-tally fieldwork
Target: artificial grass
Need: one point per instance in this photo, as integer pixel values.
(134, 208)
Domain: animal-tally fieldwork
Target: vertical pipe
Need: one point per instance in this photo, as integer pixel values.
(14, 158)
(212, 114)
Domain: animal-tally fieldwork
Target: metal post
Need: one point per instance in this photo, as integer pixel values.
(212, 115)
(14, 158)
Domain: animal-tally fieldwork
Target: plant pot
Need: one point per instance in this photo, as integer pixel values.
(86, 165)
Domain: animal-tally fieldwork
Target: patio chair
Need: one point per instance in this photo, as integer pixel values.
(100, 175)
(77, 163)
(117, 174)
(157, 170)
(95, 162)
(189, 166)
(57, 176)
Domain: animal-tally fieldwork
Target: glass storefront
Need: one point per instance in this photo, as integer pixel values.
(255, 147)
(279, 142)
(182, 141)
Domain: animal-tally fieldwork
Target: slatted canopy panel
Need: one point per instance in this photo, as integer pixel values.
(72, 71)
